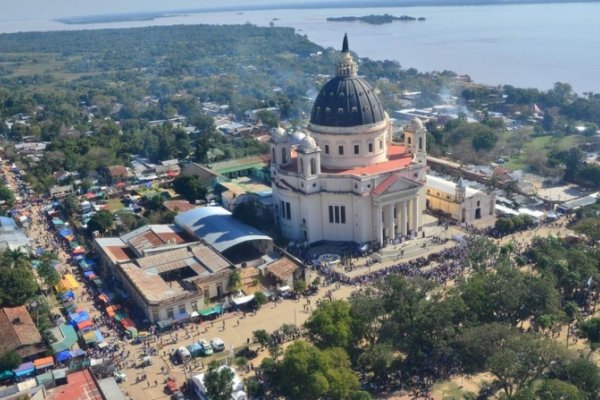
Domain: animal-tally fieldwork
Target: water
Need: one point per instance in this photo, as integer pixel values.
(531, 45)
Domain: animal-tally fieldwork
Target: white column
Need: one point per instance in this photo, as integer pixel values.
(415, 214)
(390, 221)
(403, 217)
(378, 228)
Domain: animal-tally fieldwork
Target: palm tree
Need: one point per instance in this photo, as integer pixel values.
(15, 258)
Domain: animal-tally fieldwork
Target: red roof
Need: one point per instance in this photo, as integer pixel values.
(398, 158)
(80, 386)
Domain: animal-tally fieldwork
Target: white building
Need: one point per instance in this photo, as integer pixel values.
(346, 180)
(458, 200)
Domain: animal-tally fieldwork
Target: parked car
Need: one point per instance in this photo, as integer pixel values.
(206, 349)
(217, 344)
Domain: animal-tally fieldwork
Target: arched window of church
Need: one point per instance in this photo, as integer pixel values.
(283, 156)
(409, 141)
(301, 165)
(274, 160)
(313, 166)
(420, 143)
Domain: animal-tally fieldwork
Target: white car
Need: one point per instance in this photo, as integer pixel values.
(217, 344)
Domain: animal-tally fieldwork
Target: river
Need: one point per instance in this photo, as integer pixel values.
(529, 45)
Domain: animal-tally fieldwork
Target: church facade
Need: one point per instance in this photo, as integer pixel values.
(343, 179)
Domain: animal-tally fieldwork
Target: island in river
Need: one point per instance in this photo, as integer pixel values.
(376, 19)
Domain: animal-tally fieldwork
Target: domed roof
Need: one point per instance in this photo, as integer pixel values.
(277, 134)
(307, 144)
(346, 100)
(415, 124)
(296, 137)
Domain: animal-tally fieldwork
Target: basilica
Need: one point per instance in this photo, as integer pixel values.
(343, 178)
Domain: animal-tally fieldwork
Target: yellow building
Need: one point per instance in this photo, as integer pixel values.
(460, 202)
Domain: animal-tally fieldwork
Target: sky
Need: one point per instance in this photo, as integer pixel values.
(50, 9)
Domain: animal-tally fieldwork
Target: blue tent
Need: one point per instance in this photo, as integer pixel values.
(79, 317)
(63, 356)
(77, 353)
(24, 369)
(65, 232)
(67, 295)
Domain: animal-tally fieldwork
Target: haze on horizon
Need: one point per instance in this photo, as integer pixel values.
(32, 9)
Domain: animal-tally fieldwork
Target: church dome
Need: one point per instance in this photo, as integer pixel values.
(346, 100)
(307, 144)
(296, 137)
(415, 124)
(277, 134)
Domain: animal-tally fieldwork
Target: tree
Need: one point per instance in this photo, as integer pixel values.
(262, 337)
(584, 374)
(307, 373)
(268, 118)
(590, 329)
(554, 389)
(10, 360)
(15, 258)
(235, 280)
(48, 273)
(260, 298)
(329, 325)
(299, 285)
(70, 205)
(101, 222)
(7, 198)
(18, 285)
(521, 360)
(219, 383)
(190, 187)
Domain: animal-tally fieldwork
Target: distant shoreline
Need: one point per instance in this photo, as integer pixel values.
(152, 15)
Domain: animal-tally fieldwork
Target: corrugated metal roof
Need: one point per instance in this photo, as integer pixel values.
(217, 227)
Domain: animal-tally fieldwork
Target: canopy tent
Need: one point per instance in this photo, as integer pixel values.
(181, 317)
(90, 275)
(79, 316)
(27, 384)
(69, 306)
(24, 369)
(77, 353)
(103, 298)
(63, 356)
(65, 232)
(44, 378)
(98, 282)
(165, 323)
(78, 250)
(111, 311)
(127, 323)
(6, 375)
(243, 300)
(45, 362)
(67, 283)
(92, 337)
(84, 325)
(214, 310)
(67, 295)
(57, 222)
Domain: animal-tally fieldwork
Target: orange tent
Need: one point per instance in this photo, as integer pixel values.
(43, 362)
(85, 324)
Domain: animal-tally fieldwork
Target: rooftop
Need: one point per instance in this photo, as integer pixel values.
(283, 268)
(171, 273)
(224, 167)
(446, 186)
(217, 227)
(80, 385)
(17, 329)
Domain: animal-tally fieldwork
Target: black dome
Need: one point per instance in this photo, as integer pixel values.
(346, 101)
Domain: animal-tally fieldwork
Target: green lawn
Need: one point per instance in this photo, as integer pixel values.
(542, 144)
(449, 390)
(114, 205)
